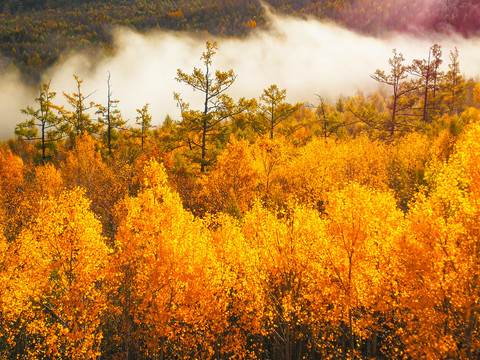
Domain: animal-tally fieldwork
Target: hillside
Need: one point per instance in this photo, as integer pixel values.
(34, 34)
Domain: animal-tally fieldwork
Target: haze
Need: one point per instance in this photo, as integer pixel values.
(304, 56)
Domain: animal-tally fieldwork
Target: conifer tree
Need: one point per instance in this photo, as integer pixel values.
(197, 126)
(78, 118)
(400, 103)
(144, 119)
(42, 120)
(110, 116)
(274, 109)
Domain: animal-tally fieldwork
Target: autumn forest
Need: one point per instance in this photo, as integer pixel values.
(246, 229)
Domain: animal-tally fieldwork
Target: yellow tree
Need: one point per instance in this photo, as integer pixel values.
(12, 179)
(46, 181)
(300, 267)
(105, 186)
(239, 290)
(231, 185)
(15, 291)
(280, 258)
(327, 283)
(363, 228)
(270, 157)
(322, 166)
(163, 282)
(65, 257)
(441, 259)
(406, 161)
(4, 280)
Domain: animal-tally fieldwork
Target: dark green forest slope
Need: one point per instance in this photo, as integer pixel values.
(34, 34)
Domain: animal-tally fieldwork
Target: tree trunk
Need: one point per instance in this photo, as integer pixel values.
(43, 142)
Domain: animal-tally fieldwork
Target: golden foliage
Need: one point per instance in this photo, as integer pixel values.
(326, 248)
(231, 185)
(61, 258)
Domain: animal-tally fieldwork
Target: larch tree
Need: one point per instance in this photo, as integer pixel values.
(110, 116)
(400, 88)
(330, 119)
(197, 126)
(274, 109)
(144, 120)
(371, 111)
(78, 118)
(42, 120)
(437, 76)
(455, 85)
(428, 73)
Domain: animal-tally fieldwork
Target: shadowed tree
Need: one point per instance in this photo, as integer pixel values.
(330, 119)
(454, 85)
(428, 73)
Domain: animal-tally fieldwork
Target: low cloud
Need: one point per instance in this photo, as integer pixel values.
(14, 95)
(304, 56)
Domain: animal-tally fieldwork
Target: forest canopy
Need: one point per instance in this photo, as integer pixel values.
(246, 229)
(259, 229)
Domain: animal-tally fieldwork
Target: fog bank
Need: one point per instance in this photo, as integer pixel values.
(304, 56)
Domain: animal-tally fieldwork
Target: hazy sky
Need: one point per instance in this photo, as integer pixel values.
(305, 57)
